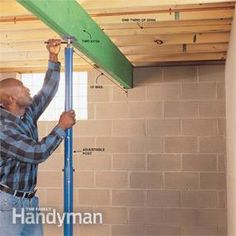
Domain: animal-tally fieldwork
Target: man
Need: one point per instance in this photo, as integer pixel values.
(20, 149)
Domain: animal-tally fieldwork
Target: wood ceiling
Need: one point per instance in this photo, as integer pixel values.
(148, 32)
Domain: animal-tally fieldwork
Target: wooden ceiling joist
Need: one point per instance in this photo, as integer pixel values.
(24, 36)
(40, 69)
(169, 30)
(35, 61)
(21, 35)
(101, 7)
(31, 55)
(177, 57)
(38, 25)
(178, 31)
(189, 48)
(105, 5)
(171, 39)
(179, 63)
(38, 48)
(156, 17)
(12, 47)
(165, 9)
(165, 24)
(186, 12)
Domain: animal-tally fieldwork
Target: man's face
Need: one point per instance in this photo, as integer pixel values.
(22, 96)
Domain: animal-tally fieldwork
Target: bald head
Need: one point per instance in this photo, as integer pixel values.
(8, 88)
(9, 82)
(12, 91)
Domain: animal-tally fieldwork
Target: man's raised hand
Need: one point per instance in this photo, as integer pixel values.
(53, 47)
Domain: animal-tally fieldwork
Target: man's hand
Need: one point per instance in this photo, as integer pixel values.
(67, 120)
(53, 46)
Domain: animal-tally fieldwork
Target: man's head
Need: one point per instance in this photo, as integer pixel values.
(14, 95)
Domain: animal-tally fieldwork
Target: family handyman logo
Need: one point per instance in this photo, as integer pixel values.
(51, 216)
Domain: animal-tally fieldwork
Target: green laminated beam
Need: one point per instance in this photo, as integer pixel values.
(68, 18)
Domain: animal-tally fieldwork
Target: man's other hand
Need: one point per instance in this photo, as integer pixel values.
(67, 119)
(53, 46)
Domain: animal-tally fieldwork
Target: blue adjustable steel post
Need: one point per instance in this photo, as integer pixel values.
(68, 165)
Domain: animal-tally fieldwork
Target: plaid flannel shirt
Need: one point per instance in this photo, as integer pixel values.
(20, 149)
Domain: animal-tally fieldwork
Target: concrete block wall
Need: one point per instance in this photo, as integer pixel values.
(162, 171)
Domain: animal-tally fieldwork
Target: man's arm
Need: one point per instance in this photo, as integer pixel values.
(23, 148)
(51, 81)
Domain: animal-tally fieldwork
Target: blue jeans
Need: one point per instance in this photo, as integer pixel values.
(11, 210)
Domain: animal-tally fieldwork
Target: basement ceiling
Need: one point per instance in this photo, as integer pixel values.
(147, 32)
